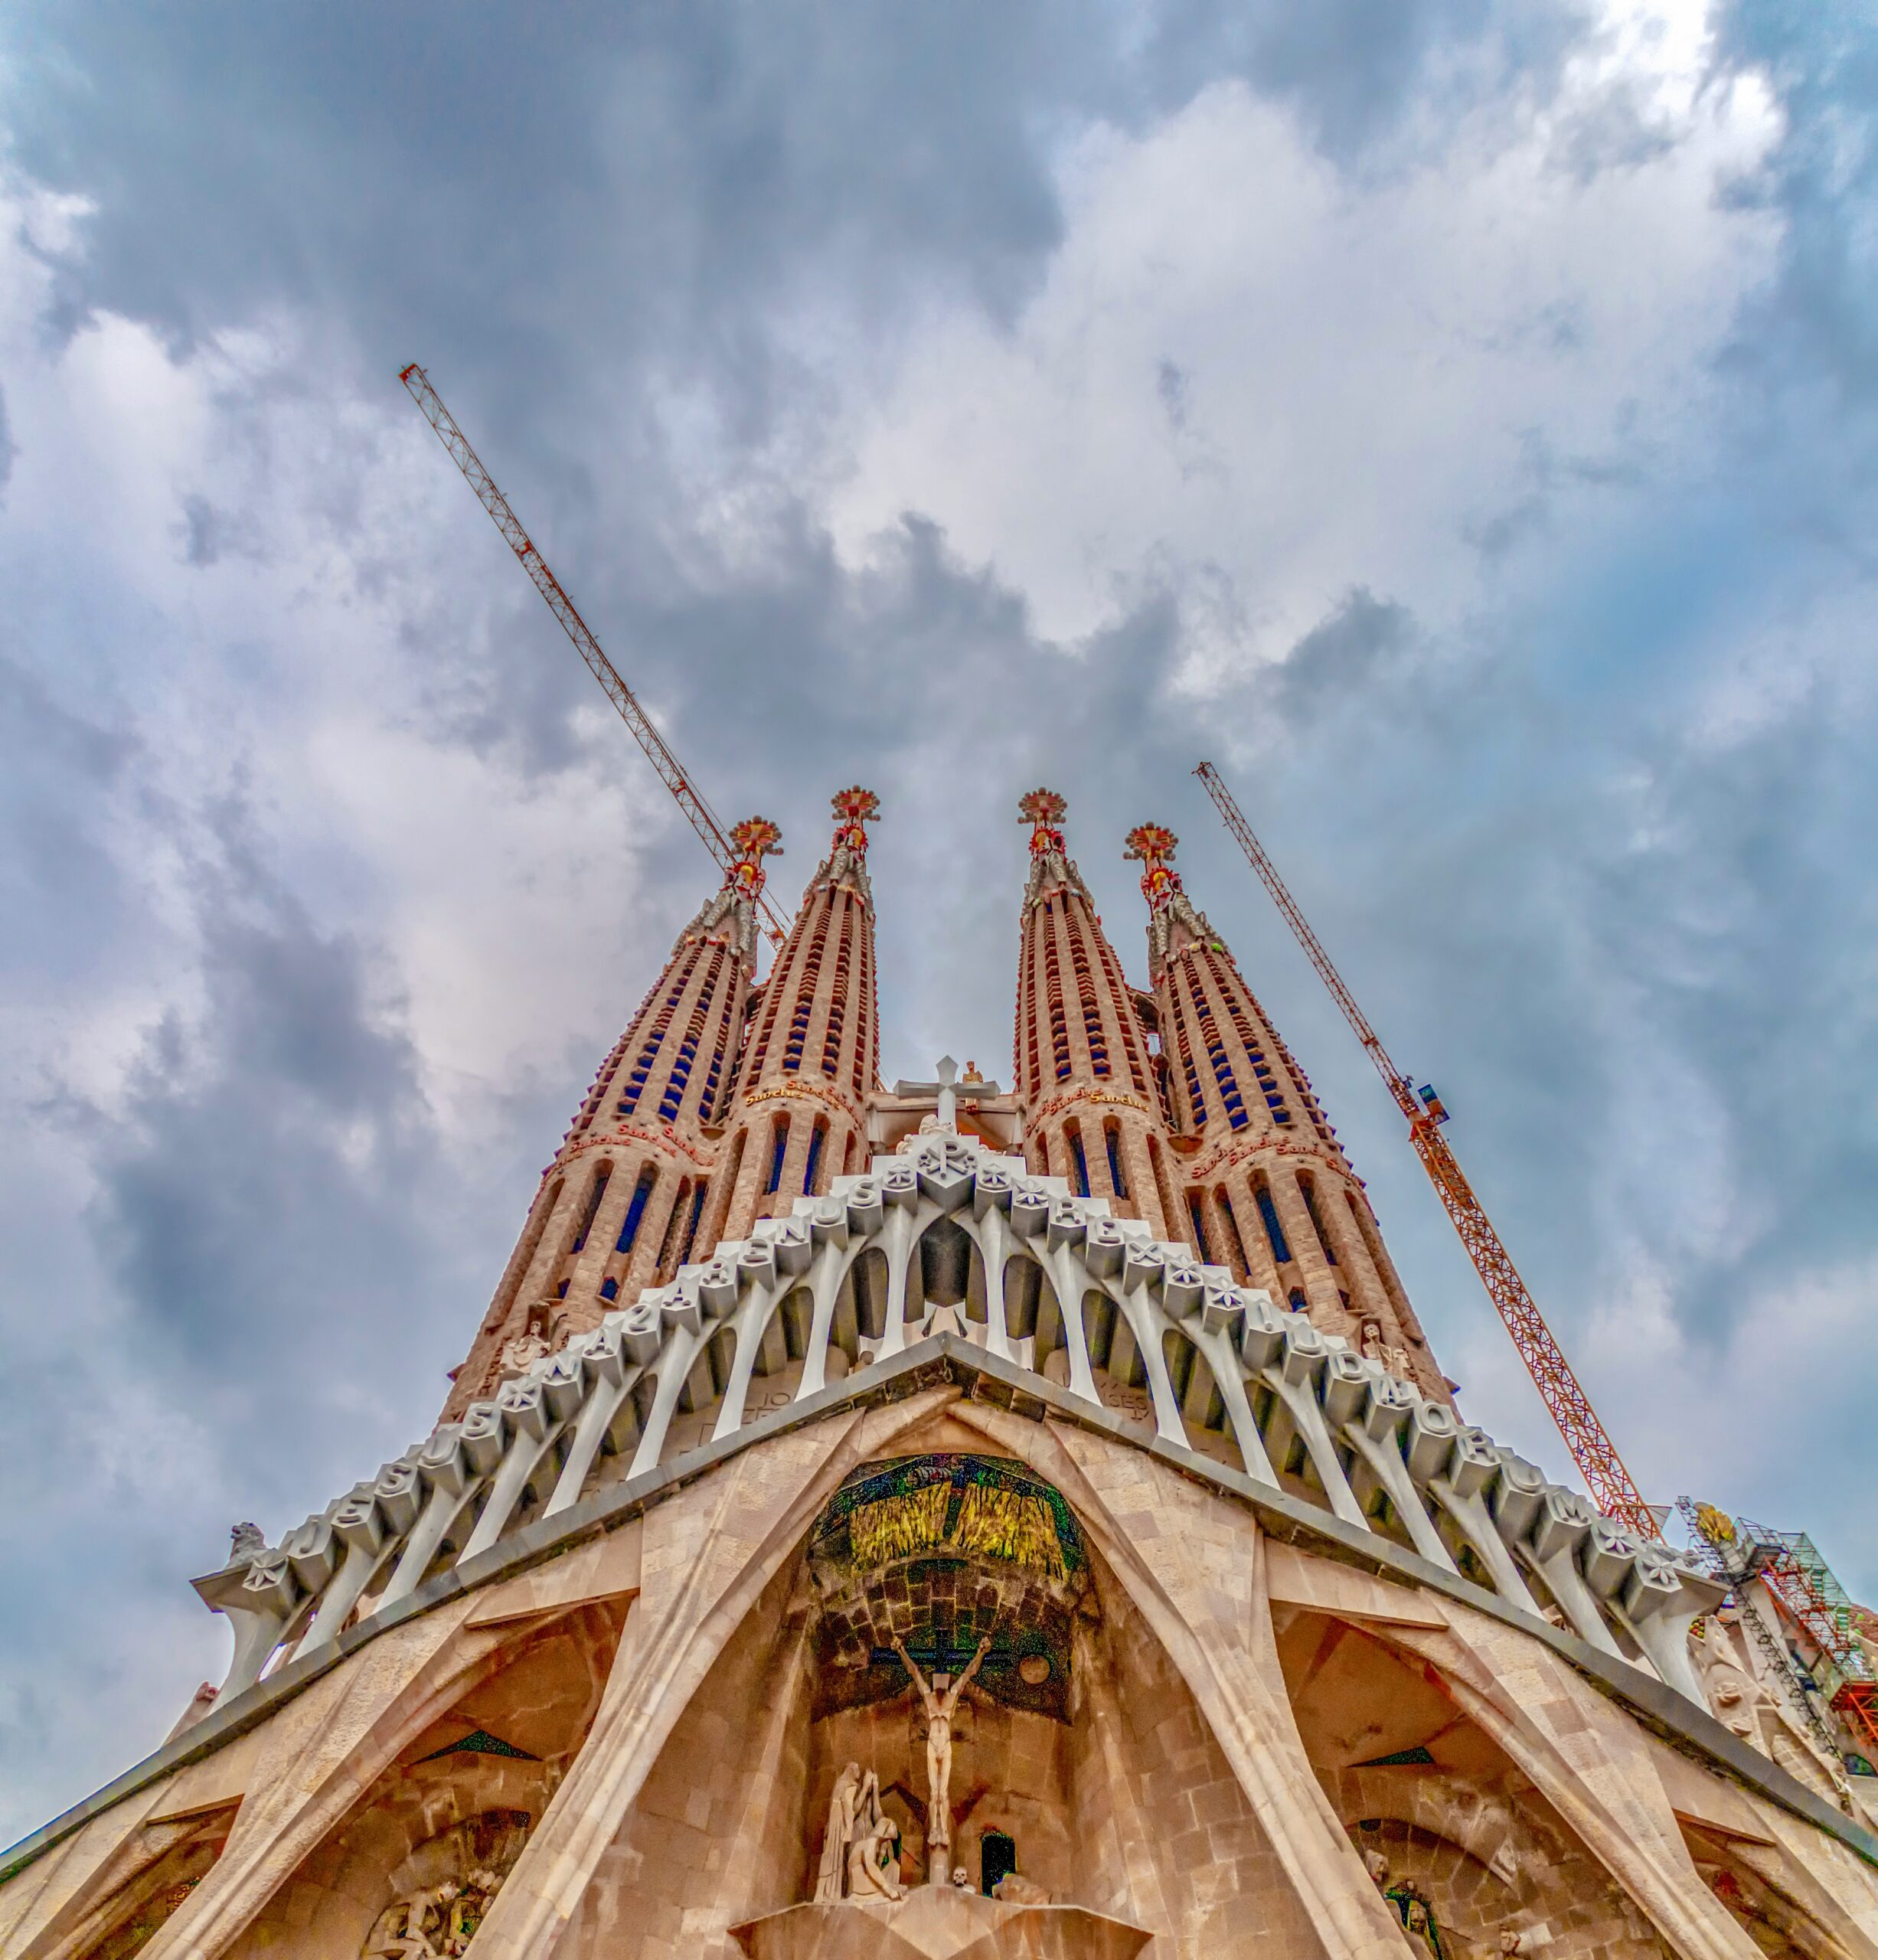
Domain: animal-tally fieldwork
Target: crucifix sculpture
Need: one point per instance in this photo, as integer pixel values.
(939, 1710)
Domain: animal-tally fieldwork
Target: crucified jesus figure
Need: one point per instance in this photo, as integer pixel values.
(939, 1710)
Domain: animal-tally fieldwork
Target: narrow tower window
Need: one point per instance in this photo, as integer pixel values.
(1235, 1240)
(1082, 1162)
(1309, 1189)
(817, 1138)
(1197, 1211)
(596, 1193)
(690, 1224)
(1112, 1136)
(642, 1196)
(1274, 1231)
(778, 1148)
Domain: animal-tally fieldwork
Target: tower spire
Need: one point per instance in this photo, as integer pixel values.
(1269, 1190)
(728, 916)
(1092, 1115)
(618, 1205)
(1172, 917)
(799, 1117)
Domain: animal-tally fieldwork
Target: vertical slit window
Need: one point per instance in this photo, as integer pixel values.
(635, 1211)
(594, 1195)
(1235, 1240)
(1308, 1186)
(817, 1138)
(1081, 1161)
(672, 1223)
(779, 1148)
(1274, 1231)
(1197, 1211)
(1112, 1136)
(690, 1224)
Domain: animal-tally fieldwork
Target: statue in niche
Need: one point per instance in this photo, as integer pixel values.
(437, 1921)
(1762, 1718)
(939, 1710)
(873, 1861)
(1417, 1916)
(854, 1801)
(519, 1352)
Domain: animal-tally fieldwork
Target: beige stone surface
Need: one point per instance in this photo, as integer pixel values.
(1245, 1721)
(937, 1923)
(604, 1567)
(1193, 1566)
(708, 1554)
(1592, 1764)
(39, 1904)
(1296, 1578)
(323, 1748)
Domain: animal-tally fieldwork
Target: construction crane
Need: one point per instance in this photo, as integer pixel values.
(690, 800)
(1602, 1469)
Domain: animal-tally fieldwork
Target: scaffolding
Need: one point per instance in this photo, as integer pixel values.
(1802, 1587)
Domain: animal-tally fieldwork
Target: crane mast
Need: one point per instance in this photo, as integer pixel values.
(1611, 1485)
(690, 799)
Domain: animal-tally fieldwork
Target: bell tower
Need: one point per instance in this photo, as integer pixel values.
(1268, 1189)
(618, 1208)
(1083, 1068)
(799, 1116)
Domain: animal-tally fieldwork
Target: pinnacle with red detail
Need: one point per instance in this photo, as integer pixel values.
(853, 809)
(1042, 810)
(1152, 846)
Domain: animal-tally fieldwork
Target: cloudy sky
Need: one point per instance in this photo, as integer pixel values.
(1459, 419)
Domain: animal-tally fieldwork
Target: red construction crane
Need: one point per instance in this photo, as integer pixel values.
(1591, 1450)
(690, 799)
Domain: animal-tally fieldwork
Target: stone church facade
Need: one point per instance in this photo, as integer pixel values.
(945, 1520)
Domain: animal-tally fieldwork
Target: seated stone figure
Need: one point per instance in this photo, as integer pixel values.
(873, 1862)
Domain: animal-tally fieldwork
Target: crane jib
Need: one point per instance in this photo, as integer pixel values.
(1592, 1449)
(698, 811)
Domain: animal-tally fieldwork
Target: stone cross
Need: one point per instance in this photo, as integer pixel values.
(948, 1073)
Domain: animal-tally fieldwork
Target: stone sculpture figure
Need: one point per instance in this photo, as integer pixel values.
(873, 1862)
(1761, 1718)
(1418, 1922)
(1014, 1889)
(402, 1931)
(519, 1352)
(939, 1710)
(843, 1806)
(438, 1922)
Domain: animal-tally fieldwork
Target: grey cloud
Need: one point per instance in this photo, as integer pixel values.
(1361, 72)
(1339, 657)
(7, 451)
(281, 1242)
(1821, 317)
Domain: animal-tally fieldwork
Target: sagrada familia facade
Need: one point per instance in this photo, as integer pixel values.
(956, 1519)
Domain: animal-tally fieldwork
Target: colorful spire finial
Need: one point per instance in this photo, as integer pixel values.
(853, 809)
(1042, 810)
(1152, 846)
(755, 839)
